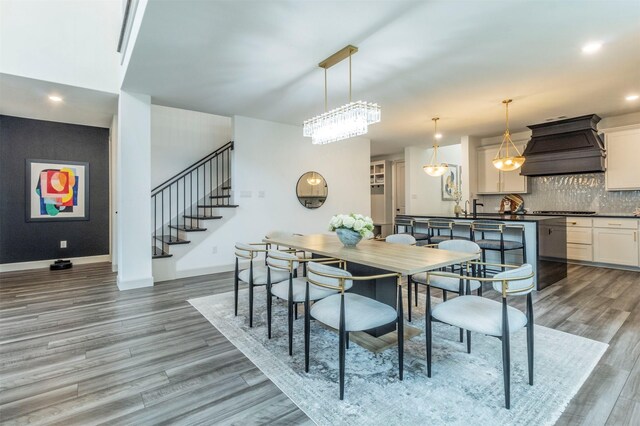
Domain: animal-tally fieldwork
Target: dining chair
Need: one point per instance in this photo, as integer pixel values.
(409, 226)
(254, 275)
(492, 227)
(440, 230)
(291, 290)
(348, 312)
(452, 283)
(486, 316)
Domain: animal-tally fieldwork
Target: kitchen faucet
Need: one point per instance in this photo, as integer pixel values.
(475, 206)
(467, 204)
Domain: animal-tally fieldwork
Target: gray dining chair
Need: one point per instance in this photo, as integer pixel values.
(348, 312)
(481, 315)
(254, 275)
(291, 290)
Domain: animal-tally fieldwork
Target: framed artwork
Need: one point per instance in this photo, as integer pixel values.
(57, 190)
(449, 181)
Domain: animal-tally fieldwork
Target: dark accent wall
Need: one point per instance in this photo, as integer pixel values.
(22, 138)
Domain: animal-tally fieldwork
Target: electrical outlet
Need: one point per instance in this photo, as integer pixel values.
(214, 249)
(260, 194)
(63, 244)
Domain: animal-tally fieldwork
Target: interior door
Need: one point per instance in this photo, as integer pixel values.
(399, 189)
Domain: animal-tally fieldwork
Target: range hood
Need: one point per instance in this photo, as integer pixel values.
(564, 147)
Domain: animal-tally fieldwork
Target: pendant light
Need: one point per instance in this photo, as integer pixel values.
(314, 179)
(505, 161)
(434, 168)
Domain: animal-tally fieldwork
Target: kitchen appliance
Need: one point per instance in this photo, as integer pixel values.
(564, 147)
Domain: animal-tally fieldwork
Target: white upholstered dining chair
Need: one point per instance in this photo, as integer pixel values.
(254, 275)
(347, 312)
(292, 290)
(485, 316)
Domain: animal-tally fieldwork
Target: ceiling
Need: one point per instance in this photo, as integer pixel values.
(26, 97)
(453, 59)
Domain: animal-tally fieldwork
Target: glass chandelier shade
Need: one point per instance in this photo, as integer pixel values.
(347, 121)
(314, 179)
(505, 160)
(434, 168)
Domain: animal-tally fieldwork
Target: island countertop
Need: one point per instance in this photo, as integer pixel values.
(485, 216)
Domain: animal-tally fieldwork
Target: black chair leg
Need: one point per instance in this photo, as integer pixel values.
(269, 311)
(444, 295)
(530, 327)
(409, 297)
(502, 259)
(250, 304)
(468, 342)
(296, 310)
(290, 315)
(428, 331)
(346, 339)
(461, 335)
(341, 356)
(416, 293)
(400, 320)
(235, 290)
(307, 332)
(506, 368)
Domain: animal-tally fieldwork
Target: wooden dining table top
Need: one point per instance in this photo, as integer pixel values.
(404, 259)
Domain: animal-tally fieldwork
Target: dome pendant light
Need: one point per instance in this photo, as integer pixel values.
(506, 162)
(434, 168)
(314, 179)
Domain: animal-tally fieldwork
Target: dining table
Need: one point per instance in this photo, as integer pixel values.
(374, 257)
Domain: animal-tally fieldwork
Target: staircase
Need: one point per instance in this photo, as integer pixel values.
(189, 200)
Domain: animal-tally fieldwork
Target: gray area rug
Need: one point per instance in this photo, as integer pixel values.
(464, 388)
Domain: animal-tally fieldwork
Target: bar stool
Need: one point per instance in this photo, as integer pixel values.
(442, 230)
(409, 225)
(501, 245)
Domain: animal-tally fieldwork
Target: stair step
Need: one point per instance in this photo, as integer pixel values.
(171, 240)
(187, 228)
(158, 253)
(220, 196)
(217, 206)
(201, 216)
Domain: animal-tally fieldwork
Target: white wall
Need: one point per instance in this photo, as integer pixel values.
(423, 192)
(65, 41)
(181, 137)
(268, 160)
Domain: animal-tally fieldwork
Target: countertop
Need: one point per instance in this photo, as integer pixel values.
(521, 217)
(492, 216)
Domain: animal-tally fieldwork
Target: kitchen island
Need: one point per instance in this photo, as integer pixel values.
(545, 239)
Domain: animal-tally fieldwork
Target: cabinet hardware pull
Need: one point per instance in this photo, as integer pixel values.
(573, 223)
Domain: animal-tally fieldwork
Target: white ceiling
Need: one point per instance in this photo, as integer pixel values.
(417, 59)
(26, 97)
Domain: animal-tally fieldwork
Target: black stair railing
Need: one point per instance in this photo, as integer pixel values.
(177, 203)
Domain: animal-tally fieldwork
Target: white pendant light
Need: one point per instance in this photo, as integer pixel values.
(352, 119)
(503, 160)
(434, 168)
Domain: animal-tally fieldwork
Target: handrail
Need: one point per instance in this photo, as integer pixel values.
(171, 180)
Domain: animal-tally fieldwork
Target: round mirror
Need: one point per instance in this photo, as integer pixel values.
(312, 190)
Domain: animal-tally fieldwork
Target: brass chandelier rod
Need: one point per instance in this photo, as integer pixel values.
(337, 57)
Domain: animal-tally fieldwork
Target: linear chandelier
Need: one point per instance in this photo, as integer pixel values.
(506, 162)
(434, 168)
(352, 119)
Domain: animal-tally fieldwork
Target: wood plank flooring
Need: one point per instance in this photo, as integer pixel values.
(75, 350)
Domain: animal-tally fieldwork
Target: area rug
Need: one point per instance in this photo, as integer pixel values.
(464, 388)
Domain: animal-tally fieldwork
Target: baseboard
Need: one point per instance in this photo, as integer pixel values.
(38, 264)
(604, 265)
(137, 283)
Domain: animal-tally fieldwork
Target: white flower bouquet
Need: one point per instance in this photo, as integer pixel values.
(354, 222)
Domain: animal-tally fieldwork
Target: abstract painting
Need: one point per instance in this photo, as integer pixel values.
(449, 181)
(57, 190)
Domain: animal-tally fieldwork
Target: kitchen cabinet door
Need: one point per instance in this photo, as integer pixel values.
(623, 151)
(615, 246)
(488, 175)
(512, 182)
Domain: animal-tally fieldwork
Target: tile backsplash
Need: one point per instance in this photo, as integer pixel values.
(572, 192)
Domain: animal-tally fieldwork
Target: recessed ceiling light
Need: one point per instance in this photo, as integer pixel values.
(55, 98)
(632, 97)
(590, 48)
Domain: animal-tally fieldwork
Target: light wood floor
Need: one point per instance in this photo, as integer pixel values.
(75, 350)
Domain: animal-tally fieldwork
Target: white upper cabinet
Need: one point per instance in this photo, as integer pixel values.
(623, 152)
(494, 181)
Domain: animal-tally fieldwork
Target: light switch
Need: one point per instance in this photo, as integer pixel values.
(63, 244)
